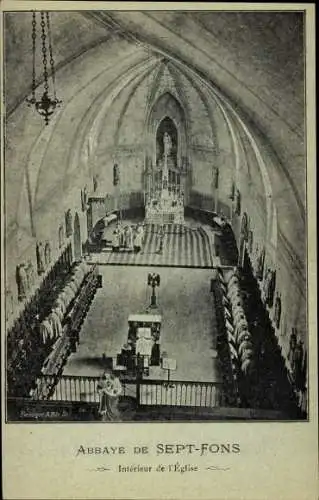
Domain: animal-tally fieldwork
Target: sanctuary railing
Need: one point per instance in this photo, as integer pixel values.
(147, 392)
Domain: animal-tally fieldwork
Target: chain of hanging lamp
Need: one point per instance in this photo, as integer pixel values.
(47, 104)
(51, 54)
(34, 37)
(44, 54)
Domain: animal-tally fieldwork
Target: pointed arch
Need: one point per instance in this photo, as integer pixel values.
(166, 107)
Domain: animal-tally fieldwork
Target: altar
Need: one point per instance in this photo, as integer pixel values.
(164, 196)
(167, 208)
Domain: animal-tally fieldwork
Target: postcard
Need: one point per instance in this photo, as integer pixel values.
(158, 251)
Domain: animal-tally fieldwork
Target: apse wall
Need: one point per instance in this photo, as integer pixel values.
(219, 136)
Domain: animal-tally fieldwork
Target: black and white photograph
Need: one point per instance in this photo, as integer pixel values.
(155, 219)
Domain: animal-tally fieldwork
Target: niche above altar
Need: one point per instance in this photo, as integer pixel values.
(164, 196)
(166, 168)
(166, 118)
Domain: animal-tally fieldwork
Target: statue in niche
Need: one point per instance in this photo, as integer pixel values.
(250, 241)
(116, 174)
(244, 227)
(260, 264)
(269, 287)
(277, 314)
(215, 177)
(84, 198)
(167, 141)
(68, 223)
(237, 202)
(95, 182)
(30, 274)
(22, 282)
(82, 203)
(292, 344)
(232, 191)
(40, 258)
(61, 236)
(47, 253)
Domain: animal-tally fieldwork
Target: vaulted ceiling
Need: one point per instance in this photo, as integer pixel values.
(256, 59)
(108, 60)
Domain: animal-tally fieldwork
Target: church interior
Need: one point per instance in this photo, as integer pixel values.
(155, 219)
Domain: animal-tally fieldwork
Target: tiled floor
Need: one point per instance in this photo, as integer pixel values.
(182, 246)
(188, 329)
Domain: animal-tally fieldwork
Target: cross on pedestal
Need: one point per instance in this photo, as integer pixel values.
(154, 281)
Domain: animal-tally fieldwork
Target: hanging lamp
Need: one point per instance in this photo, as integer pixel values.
(47, 103)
